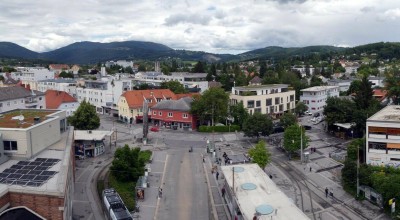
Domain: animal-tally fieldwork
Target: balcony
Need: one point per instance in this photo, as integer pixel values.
(31, 104)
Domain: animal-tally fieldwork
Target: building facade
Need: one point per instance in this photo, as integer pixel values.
(315, 97)
(344, 84)
(65, 85)
(18, 97)
(383, 137)
(130, 104)
(31, 75)
(266, 99)
(61, 101)
(174, 114)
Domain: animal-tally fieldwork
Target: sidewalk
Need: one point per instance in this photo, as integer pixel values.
(215, 186)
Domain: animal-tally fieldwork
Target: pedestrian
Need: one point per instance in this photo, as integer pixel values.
(216, 175)
(310, 168)
(203, 159)
(270, 176)
(160, 192)
(326, 192)
(223, 191)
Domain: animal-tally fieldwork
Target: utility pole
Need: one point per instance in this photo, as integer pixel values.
(301, 143)
(233, 180)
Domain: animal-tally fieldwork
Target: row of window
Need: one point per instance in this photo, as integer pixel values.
(170, 114)
(15, 102)
(10, 145)
(268, 102)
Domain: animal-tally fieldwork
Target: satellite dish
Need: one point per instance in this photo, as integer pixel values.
(21, 118)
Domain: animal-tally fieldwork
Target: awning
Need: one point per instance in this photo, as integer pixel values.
(89, 135)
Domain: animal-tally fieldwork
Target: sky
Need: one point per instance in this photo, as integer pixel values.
(215, 26)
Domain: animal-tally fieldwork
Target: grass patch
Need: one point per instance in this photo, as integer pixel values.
(145, 155)
(125, 189)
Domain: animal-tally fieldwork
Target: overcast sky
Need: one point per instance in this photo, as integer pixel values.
(215, 26)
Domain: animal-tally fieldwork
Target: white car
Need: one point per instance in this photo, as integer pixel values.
(307, 113)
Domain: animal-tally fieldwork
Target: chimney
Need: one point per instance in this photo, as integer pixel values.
(36, 120)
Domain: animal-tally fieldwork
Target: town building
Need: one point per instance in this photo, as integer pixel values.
(31, 75)
(18, 97)
(8, 81)
(61, 101)
(249, 192)
(304, 70)
(273, 99)
(344, 84)
(130, 104)
(65, 85)
(58, 68)
(174, 114)
(377, 81)
(123, 63)
(315, 97)
(36, 164)
(383, 137)
(104, 93)
(75, 69)
(194, 82)
(90, 143)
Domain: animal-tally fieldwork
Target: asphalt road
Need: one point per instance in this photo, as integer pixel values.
(185, 194)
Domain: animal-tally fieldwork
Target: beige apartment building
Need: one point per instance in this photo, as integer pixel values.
(274, 99)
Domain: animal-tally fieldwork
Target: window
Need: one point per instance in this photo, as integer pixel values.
(22, 101)
(291, 98)
(1, 105)
(250, 104)
(277, 100)
(10, 145)
(258, 103)
(268, 102)
(40, 98)
(184, 115)
(170, 114)
(160, 113)
(154, 113)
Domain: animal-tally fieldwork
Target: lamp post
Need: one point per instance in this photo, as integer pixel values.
(301, 143)
(358, 166)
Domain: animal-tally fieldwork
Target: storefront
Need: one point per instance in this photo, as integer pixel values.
(90, 143)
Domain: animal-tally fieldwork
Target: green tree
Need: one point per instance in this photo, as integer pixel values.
(127, 165)
(288, 119)
(300, 108)
(175, 86)
(315, 81)
(85, 117)
(263, 69)
(8, 69)
(364, 94)
(292, 138)
(142, 86)
(339, 110)
(2, 78)
(260, 155)
(129, 70)
(142, 68)
(198, 68)
(64, 74)
(239, 113)
(392, 84)
(257, 124)
(212, 105)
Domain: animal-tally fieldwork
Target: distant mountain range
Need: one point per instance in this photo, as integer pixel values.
(94, 52)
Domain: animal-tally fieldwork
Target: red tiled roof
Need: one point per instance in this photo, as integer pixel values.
(179, 96)
(135, 98)
(380, 94)
(58, 66)
(55, 98)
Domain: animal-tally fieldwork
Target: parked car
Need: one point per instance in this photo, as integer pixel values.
(307, 112)
(155, 129)
(307, 127)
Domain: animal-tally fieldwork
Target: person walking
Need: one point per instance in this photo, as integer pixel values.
(310, 168)
(326, 192)
(160, 192)
(223, 191)
(216, 175)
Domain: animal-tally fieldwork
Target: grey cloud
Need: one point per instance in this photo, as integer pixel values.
(187, 18)
(288, 1)
(367, 9)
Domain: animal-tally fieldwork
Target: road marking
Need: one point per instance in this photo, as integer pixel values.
(151, 206)
(80, 201)
(162, 181)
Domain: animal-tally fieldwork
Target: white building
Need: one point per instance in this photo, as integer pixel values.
(194, 82)
(248, 190)
(104, 93)
(31, 75)
(344, 84)
(315, 97)
(303, 70)
(383, 137)
(266, 99)
(65, 85)
(18, 97)
(123, 63)
(377, 81)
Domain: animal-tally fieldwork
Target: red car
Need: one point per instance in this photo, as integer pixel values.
(154, 129)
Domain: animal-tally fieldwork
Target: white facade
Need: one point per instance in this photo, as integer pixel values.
(123, 63)
(188, 80)
(104, 93)
(265, 99)
(377, 81)
(303, 70)
(69, 107)
(31, 75)
(28, 102)
(65, 85)
(315, 97)
(383, 137)
(344, 85)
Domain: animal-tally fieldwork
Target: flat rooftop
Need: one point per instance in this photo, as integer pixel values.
(36, 181)
(23, 118)
(257, 87)
(254, 190)
(91, 135)
(318, 88)
(390, 113)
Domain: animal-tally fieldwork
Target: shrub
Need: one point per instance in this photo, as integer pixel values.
(231, 128)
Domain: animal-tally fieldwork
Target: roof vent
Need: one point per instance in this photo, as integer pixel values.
(36, 120)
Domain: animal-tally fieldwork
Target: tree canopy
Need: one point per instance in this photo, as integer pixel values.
(257, 124)
(128, 164)
(288, 119)
(175, 86)
(239, 113)
(64, 74)
(211, 105)
(85, 117)
(392, 83)
(260, 155)
(300, 108)
(292, 138)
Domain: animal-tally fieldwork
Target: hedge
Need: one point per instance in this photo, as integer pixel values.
(231, 128)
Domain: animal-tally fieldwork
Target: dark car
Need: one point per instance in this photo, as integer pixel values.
(307, 127)
(278, 129)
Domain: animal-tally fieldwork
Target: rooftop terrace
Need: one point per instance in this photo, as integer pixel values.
(389, 113)
(23, 118)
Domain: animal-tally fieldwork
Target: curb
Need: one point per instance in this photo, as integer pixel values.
(214, 210)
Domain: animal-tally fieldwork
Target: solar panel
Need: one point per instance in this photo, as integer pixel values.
(48, 173)
(23, 163)
(22, 171)
(35, 172)
(29, 173)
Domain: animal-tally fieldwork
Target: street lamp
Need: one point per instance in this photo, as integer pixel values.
(301, 143)
(358, 166)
